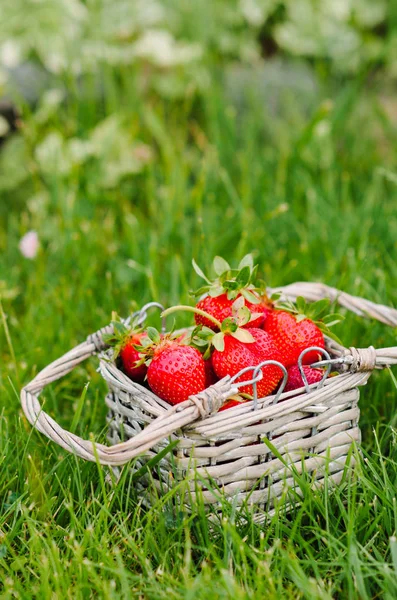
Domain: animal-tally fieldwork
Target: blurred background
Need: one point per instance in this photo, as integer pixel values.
(136, 135)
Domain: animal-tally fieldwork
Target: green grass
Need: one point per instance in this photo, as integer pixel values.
(309, 187)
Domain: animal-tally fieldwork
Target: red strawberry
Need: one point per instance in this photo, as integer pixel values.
(292, 336)
(176, 371)
(129, 356)
(210, 376)
(295, 380)
(123, 340)
(229, 286)
(237, 355)
(263, 308)
(221, 308)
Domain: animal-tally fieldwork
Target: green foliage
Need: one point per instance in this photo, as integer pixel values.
(128, 167)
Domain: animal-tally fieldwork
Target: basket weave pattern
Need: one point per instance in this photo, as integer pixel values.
(311, 429)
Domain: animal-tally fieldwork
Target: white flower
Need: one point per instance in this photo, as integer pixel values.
(163, 50)
(29, 244)
(10, 54)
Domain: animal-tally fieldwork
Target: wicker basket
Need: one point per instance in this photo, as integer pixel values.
(312, 428)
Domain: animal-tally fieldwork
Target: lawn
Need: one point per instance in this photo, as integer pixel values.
(126, 174)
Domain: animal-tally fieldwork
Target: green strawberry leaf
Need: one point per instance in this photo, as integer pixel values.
(109, 339)
(153, 334)
(232, 294)
(229, 324)
(332, 319)
(243, 316)
(237, 304)
(316, 309)
(253, 273)
(246, 261)
(200, 272)
(301, 305)
(244, 276)
(220, 265)
(214, 292)
(119, 327)
(208, 352)
(218, 341)
(231, 285)
(199, 342)
(199, 292)
(275, 296)
(231, 274)
(250, 297)
(243, 335)
(330, 334)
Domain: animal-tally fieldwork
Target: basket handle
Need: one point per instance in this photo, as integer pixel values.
(200, 405)
(357, 305)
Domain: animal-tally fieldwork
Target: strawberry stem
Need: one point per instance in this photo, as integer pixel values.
(192, 309)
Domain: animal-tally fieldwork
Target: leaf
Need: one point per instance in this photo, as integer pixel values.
(229, 324)
(218, 341)
(301, 305)
(153, 334)
(246, 261)
(207, 353)
(199, 271)
(275, 296)
(250, 297)
(243, 277)
(316, 309)
(237, 304)
(202, 290)
(214, 292)
(229, 275)
(332, 319)
(231, 285)
(329, 333)
(220, 265)
(119, 328)
(232, 294)
(243, 335)
(254, 271)
(206, 331)
(243, 316)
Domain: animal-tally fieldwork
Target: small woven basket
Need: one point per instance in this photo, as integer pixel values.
(249, 452)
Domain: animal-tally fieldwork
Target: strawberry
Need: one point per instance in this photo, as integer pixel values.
(295, 380)
(230, 285)
(295, 328)
(123, 340)
(237, 355)
(175, 371)
(221, 307)
(292, 336)
(236, 348)
(129, 358)
(210, 376)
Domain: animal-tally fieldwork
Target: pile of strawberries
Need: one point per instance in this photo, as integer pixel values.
(237, 326)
